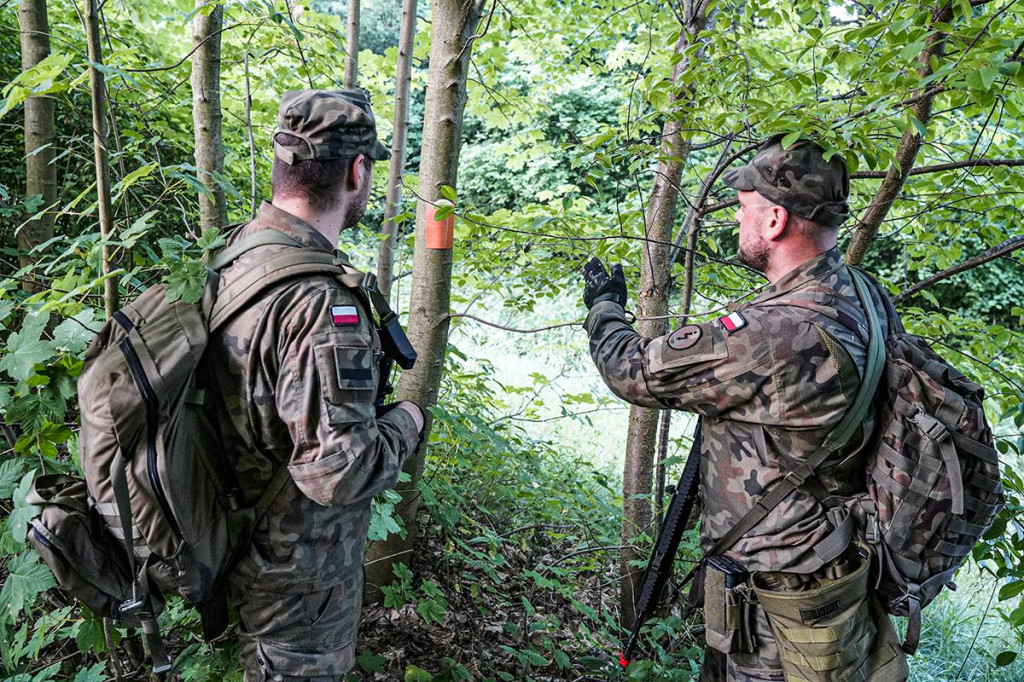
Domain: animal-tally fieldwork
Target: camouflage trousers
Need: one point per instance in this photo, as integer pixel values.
(288, 636)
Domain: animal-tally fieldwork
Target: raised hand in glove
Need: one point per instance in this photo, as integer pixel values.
(599, 286)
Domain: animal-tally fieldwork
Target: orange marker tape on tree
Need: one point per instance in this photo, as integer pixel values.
(440, 233)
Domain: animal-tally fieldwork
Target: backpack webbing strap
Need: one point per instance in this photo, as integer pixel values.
(837, 439)
(275, 270)
(261, 238)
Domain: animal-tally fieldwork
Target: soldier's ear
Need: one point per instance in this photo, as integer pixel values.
(775, 226)
(358, 172)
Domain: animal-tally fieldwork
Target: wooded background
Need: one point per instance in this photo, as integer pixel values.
(132, 133)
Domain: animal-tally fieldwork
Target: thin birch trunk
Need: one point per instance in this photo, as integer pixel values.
(206, 112)
(452, 34)
(652, 304)
(98, 91)
(403, 76)
(40, 135)
(352, 45)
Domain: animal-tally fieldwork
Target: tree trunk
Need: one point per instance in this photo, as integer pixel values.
(403, 76)
(652, 302)
(206, 112)
(352, 46)
(867, 227)
(40, 173)
(452, 29)
(98, 91)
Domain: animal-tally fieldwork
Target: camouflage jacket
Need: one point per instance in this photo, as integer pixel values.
(296, 378)
(771, 380)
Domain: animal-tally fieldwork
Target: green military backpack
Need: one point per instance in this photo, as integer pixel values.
(158, 512)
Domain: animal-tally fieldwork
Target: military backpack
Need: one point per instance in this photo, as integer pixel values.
(158, 512)
(933, 480)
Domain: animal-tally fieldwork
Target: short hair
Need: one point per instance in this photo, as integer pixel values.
(319, 182)
(809, 228)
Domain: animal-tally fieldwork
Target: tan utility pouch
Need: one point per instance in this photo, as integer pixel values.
(833, 631)
(729, 615)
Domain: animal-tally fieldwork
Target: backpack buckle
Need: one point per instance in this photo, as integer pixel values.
(872, 533)
(136, 607)
(799, 475)
(369, 281)
(933, 428)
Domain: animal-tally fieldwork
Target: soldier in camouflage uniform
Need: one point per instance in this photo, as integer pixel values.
(297, 374)
(770, 379)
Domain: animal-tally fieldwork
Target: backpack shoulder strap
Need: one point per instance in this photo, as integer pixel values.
(279, 268)
(839, 436)
(231, 253)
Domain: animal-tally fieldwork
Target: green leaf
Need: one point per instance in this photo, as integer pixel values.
(790, 139)
(6, 308)
(1006, 658)
(416, 674)
(1009, 68)
(443, 212)
(25, 349)
(370, 662)
(988, 76)
(11, 471)
(449, 193)
(27, 577)
(211, 239)
(89, 633)
(75, 333)
(562, 660)
(1011, 589)
(536, 659)
(92, 674)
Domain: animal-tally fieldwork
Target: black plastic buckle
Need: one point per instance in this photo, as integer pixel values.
(136, 608)
(369, 281)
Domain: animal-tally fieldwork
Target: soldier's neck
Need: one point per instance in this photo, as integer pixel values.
(328, 223)
(784, 260)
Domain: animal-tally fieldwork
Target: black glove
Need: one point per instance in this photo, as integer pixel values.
(599, 286)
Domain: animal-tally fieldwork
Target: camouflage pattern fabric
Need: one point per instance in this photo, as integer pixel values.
(296, 377)
(333, 124)
(770, 391)
(798, 178)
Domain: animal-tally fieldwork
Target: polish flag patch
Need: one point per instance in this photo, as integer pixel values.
(732, 322)
(344, 314)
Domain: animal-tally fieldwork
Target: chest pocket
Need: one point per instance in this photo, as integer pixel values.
(348, 377)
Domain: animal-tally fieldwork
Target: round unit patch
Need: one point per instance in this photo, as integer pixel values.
(684, 338)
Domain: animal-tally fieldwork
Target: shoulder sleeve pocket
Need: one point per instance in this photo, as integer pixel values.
(348, 381)
(675, 351)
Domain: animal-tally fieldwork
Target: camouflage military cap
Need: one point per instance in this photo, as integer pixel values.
(798, 179)
(332, 124)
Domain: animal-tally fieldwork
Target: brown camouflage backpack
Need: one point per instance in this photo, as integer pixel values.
(934, 485)
(158, 512)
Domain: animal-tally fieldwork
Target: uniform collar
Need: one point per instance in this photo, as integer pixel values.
(273, 218)
(814, 269)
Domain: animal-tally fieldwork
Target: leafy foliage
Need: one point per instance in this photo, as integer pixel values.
(562, 132)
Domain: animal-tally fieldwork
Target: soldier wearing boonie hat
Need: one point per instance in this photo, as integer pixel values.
(770, 380)
(296, 374)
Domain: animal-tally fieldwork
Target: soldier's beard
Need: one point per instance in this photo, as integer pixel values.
(354, 212)
(754, 254)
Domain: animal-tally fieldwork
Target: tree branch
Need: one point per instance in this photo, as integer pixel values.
(938, 168)
(1007, 247)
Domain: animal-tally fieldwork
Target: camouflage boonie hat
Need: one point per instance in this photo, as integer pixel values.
(798, 179)
(333, 124)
